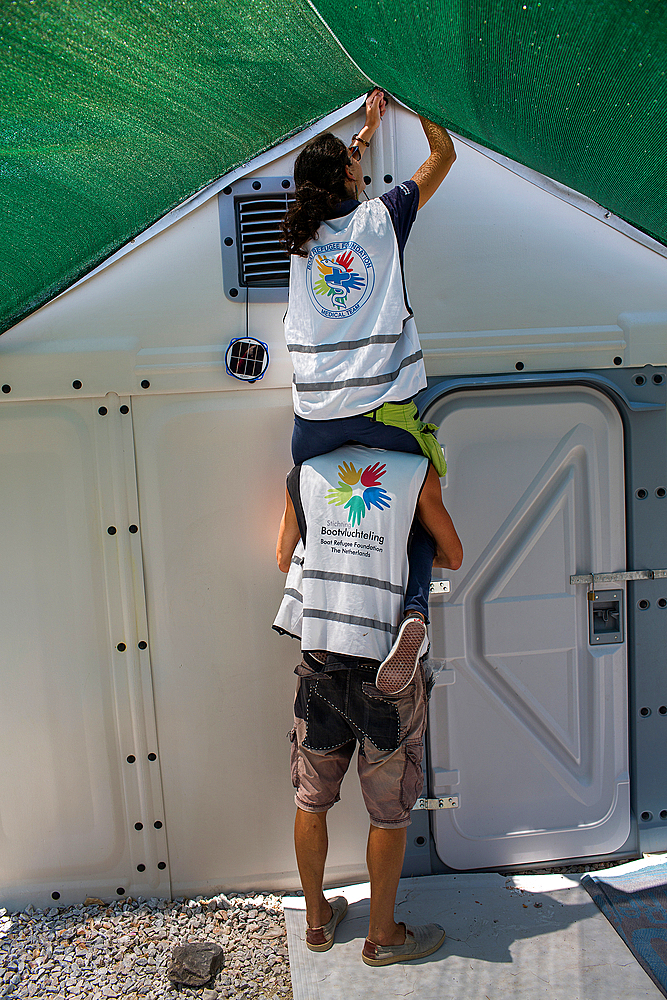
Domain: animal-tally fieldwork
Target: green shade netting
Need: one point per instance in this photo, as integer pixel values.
(575, 89)
(114, 112)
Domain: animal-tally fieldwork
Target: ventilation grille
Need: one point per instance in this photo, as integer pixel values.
(263, 262)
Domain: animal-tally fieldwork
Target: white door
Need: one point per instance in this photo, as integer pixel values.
(528, 722)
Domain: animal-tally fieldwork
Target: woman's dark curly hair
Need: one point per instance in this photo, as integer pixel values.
(319, 178)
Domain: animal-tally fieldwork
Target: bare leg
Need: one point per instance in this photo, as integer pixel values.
(384, 857)
(311, 843)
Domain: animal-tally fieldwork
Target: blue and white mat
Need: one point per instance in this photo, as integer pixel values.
(633, 898)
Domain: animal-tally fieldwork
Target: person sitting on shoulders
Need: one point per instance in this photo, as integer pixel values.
(350, 331)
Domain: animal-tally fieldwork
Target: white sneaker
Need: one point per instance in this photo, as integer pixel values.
(397, 670)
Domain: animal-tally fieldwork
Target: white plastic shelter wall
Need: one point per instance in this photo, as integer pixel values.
(211, 471)
(77, 699)
(499, 271)
(528, 722)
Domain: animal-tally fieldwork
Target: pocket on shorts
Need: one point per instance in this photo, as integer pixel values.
(369, 688)
(412, 781)
(294, 758)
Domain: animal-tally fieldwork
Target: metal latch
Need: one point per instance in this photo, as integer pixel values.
(605, 617)
(445, 802)
(440, 587)
(595, 579)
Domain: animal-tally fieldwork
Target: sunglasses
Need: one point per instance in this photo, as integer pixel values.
(354, 152)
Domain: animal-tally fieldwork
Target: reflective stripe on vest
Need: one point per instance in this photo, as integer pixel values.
(349, 331)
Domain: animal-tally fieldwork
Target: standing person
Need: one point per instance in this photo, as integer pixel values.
(351, 333)
(345, 581)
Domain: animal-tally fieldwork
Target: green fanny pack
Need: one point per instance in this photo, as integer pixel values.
(405, 416)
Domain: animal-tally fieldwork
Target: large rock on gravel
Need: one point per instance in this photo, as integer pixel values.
(195, 964)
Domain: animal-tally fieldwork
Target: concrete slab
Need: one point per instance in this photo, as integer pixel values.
(532, 937)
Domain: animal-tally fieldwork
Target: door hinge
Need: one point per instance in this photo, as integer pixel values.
(444, 802)
(595, 579)
(439, 587)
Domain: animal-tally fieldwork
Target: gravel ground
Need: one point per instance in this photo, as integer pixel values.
(123, 949)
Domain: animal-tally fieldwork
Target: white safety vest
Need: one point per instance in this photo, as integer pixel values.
(350, 333)
(344, 591)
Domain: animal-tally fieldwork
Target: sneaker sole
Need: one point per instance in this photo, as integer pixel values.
(399, 668)
(393, 959)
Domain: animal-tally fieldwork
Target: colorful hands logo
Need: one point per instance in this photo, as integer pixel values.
(337, 279)
(359, 491)
(340, 279)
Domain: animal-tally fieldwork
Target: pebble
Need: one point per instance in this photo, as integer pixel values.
(122, 949)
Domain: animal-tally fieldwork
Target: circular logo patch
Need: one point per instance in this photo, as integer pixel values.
(340, 279)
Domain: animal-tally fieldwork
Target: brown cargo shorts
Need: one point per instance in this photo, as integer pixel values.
(333, 712)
